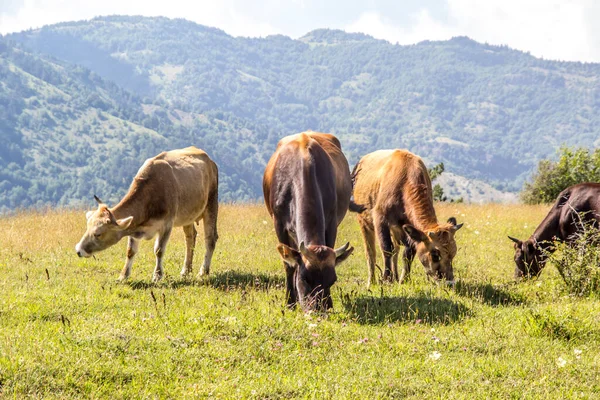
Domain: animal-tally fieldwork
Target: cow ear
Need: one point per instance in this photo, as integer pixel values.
(414, 233)
(288, 255)
(88, 214)
(343, 253)
(124, 223)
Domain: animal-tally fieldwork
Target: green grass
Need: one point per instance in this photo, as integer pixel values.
(68, 330)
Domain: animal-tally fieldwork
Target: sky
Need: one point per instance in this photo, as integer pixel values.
(559, 30)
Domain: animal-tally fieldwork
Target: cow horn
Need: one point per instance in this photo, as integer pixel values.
(98, 200)
(303, 250)
(342, 250)
(517, 241)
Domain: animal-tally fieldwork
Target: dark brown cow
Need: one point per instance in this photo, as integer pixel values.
(395, 189)
(175, 188)
(307, 189)
(560, 224)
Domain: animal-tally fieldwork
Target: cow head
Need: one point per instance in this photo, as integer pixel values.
(314, 272)
(436, 249)
(103, 230)
(529, 258)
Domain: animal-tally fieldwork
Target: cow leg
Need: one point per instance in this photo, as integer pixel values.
(132, 249)
(190, 244)
(407, 259)
(290, 290)
(159, 251)
(395, 259)
(382, 230)
(210, 232)
(409, 252)
(291, 296)
(368, 234)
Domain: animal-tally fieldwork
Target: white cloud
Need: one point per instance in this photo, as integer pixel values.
(547, 28)
(556, 29)
(422, 27)
(222, 14)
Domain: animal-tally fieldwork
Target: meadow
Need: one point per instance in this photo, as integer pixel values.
(69, 330)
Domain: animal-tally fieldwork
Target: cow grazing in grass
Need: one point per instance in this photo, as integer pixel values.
(395, 189)
(175, 188)
(573, 206)
(307, 189)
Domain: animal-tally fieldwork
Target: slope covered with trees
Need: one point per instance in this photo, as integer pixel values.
(487, 112)
(66, 134)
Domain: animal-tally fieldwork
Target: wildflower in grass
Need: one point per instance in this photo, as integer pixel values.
(577, 353)
(435, 356)
(363, 340)
(561, 362)
(418, 321)
(264, 222)
(435, 339)
(476, 232)
(312, 326)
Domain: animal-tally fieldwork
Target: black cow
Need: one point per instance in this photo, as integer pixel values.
(561, 223)
(307, 189)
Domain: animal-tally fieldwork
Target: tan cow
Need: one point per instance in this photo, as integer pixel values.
(175, 188)
(395, 189)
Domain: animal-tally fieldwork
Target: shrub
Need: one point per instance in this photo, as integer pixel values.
(438, 191)
(578, 262)
(552, 177)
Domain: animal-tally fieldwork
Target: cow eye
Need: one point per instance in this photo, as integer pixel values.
(97, 235)
(435, 256)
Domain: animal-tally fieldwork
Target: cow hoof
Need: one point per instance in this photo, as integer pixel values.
(121, 279)
(156, 278)
(185, 273)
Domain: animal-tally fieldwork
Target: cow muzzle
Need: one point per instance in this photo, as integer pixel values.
(81, 252)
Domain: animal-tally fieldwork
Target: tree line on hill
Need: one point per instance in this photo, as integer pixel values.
(82, 104)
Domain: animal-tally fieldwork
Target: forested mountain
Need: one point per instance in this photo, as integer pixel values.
(66, 134)
(487, 112)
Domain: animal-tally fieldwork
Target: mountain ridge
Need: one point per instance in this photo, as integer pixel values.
(488, 112)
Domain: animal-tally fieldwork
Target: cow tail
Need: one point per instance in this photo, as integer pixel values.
(353, 207)
(356, 208)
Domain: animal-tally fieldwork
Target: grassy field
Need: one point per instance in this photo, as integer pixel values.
(68, 330)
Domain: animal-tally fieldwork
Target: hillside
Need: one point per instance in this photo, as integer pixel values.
(487, 112)
(68, 134)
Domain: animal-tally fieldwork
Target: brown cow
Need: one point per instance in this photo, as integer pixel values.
(395, 189)
(175, 188)
(561, 223)
(307, 190)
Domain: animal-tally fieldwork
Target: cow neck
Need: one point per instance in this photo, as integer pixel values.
(419, 209)
(310, 218)
(131, 205)
(426, 222)
(548, 229)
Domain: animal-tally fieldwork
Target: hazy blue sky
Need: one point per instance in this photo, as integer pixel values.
(566, 30)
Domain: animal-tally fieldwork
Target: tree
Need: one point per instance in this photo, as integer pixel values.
(438, 192)
(552, 177)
